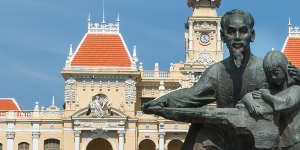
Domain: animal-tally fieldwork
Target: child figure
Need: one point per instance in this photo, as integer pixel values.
(284, 97)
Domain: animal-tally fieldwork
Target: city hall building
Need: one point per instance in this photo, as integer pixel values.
(105, 86)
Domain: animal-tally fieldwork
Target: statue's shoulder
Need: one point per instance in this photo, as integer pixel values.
(256, 60)
(214, 68)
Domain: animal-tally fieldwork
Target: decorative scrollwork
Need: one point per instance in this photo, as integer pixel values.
(205, 60)
(130, 90)
(99, 106)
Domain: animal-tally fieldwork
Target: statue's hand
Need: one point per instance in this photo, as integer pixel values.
(153, 106)
(294, 72)
(254, 109)
(257, 95)
(264, 93)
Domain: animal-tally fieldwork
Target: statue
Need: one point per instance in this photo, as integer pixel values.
(225, 83)
(284, 96)
(99, 106)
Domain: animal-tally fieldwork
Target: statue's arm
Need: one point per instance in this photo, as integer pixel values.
(202, 93)
(287, 99)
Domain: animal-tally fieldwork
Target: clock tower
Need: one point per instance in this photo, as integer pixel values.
(203, 45)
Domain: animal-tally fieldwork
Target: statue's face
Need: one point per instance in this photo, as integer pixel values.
(237, 34)
(276, 76)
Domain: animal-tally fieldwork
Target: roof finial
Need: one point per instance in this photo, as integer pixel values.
(103, 18)
(289, 22)
(89, 21)
(118, 18)
(53, 101)
(71, 50)
(135, 59)
(36, 107)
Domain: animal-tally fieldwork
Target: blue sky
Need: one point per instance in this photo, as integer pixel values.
(35, 35)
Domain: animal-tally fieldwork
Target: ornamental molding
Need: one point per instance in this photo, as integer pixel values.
(99, 106)
(36, 135)
(200, 26)
(97, 28)
(70, 89)
(82, 114)
(130, 92)
(205, 60)
(10, 135)
(77, 133)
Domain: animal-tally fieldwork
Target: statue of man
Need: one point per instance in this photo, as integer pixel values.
(225, 83)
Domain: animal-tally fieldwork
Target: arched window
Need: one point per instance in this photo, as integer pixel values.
(147, 144)
(51, 144)
(23, 146)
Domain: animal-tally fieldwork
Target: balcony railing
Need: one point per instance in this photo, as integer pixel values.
(156, 74)
(30, 114)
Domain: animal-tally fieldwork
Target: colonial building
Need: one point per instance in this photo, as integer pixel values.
(105, 86)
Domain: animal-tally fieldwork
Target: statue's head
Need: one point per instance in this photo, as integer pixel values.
(237, 32)
(275, 65)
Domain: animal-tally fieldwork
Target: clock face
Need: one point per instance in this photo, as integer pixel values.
(204, 38)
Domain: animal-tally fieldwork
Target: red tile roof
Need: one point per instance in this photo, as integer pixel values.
(105, 50)
(9, 104)
(292, 50)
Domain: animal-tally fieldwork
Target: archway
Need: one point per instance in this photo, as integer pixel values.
(147, 145)
(175, 145)
(99, 144)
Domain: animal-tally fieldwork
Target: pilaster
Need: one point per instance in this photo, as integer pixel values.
(121, 139)
(10, 135)
(191, 35)
(77, 139)
(35, 140)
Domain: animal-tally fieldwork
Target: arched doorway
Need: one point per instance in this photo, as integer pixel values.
(147, 145)
(175, 145)
(99, 144)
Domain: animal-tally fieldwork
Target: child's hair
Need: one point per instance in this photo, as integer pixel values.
(275, 59)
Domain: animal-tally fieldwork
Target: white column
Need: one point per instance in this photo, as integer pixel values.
(121, 139)
(219, 42)
(35, 140)
(77, 139)
(190, 35)
(161, 141)
(10, 140)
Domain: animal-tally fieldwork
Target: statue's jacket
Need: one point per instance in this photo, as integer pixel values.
(222, 83)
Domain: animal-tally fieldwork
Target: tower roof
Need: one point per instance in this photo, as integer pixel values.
(291, 46)
(102, 46)
(9, 104)
(105, 50)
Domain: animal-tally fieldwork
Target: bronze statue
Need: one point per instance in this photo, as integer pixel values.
(284, 96)
(225, 83)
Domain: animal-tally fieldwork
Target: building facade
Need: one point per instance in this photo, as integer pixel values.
(105, 86)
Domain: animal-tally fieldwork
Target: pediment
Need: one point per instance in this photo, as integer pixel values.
(113, 113)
